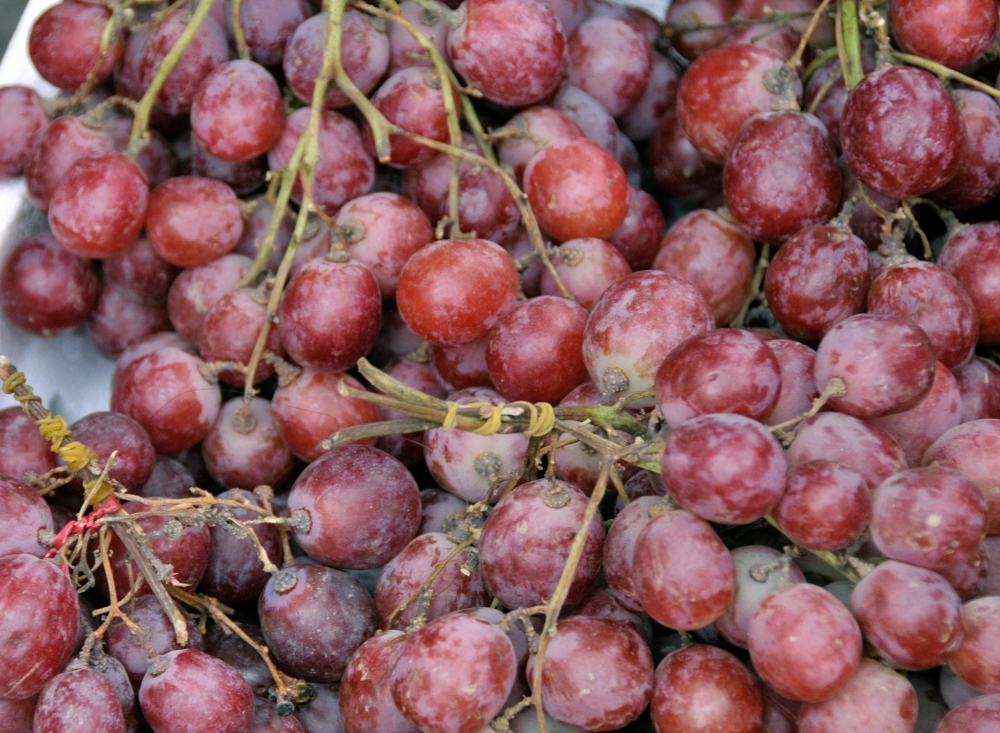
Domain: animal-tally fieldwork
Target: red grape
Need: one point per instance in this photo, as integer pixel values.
(140, 272)
(322, 715)
(798, 388)
(24, 514)
(452, 292)
(910, 615)
(513, 51)
(978, 176)
(577, 189)
(237, 113)
(22, 118)
(955, 35)
(408, 447)
(365, 698)
(454, 674)
(58, 147)
(431, 19)
(974, 716)
(897, 103)
(165, 392)
(267, 720)
(587, 267)
(804, 643)
(65, 45)
(619, 550)
(701, 688)
(109, 432)
(642, 117)
(971, 448)
(970, 256)
(638, 237)
(577, 463)
(826, 506)
(603, 604)
(192, 221)
(118, 321)
(230, 331)
(463, 366)
(268, 24)
(693, 44)
(36, 595)
(197, 289)
(875, 698)
(245, 450)
(929, 517)
(436, 507)
(243, 177)
(969, 576)
(196, 692)
(45, 290)
(24, 448)
(223, 644)
(526, 541)
(82, 699)
(680, 169)
(977, 660)
(529, 131)
(610, 60)
(597, 125)
(687, 578)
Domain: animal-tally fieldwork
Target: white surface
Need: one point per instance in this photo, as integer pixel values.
(66, 372)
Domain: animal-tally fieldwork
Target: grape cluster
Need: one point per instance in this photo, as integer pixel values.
(508, 365)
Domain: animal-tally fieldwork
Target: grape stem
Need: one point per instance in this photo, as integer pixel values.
(944, 72)
(779, 18)
(758, 278)
(849, 42)
(145, 106)
(796, 57)
(242, 48)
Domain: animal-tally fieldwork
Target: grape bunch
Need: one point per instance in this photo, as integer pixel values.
(507, 365)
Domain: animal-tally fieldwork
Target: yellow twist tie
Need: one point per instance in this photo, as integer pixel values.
(451, 416)
(493, 422)
(542, 418)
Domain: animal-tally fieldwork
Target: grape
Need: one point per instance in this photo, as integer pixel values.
(513, 51)
(870, 451)
(597, 125)
(330, 314)
(166, 394)
(267, 720)
(364, 55)
(453, 291)
(58, 147)
(197, 289)
(970, 448)
(700, 688)
(798, 388)
(642, 117)
(454, 674)
(886, 362)
(114, 672)
(402, 576)
(413, 99)
(917, 428)
(804, 643)
(22, 118)
(977, 660)
(636, 323)
(726, 370)
(826, 506)
(24, 448)
(224, 644)
(192, 221)
(619, 550)
(526, 541)
(18, 715)
(680, 169)
(587, 267)
(408, 447)
(874, 698)
(234, 573)
(896, 103)
(23, 515)
(268, 24)
(610, 60)
(139, 271)
(534, 350)
(910, 615)
(79, 700)
(463, 366)
(322, 715)
(782, 39)
(169, 480)
(687, 578)
(819, 277)
(577, 189)
(237, 113)
(759, 573)
(365, 699)
(721, 91)
(118, 321)
(65, 45)
(485, 206)
(196, 692)
(348, 527)
(978, 176)
(953, 35)
(638, 237)
(781, 175)
(311, 409)
(108, 432)
(244, 177)
(969, 256)
(951, 326)
(714, 255)
(45, 290)
(529, 131)
(699, 12)
(207, 50)
(244, 448)
(974, 716)
(929, 517)
(344, 170)
(314, 618)
(724, 468)
(969, 576)
(427, 183)
(383, 230)
(436, 507)
(35, 595)
(404, 50)
(186, 551)
(230, 331)
(603, 604)
(597, 674)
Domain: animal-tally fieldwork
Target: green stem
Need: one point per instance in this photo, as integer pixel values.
(145, 106)
(849, 39)
(944, 72)
(242, 48)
